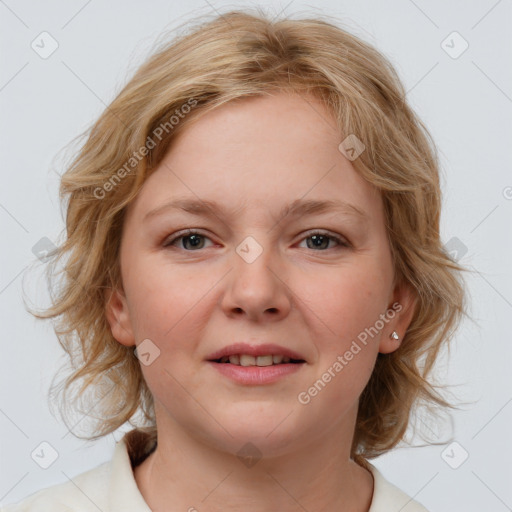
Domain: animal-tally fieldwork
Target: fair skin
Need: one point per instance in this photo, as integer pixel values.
(253, 157)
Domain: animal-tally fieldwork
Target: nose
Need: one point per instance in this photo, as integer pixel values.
(257, 287)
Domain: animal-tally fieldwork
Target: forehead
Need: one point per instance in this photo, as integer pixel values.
(258, 154)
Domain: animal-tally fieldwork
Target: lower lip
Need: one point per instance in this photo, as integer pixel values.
(255, 375)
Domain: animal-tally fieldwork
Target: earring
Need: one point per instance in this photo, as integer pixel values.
(394, 335)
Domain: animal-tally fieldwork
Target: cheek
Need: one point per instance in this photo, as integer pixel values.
(169, 308)
(165, 299)
(346, 307)
(346, 300)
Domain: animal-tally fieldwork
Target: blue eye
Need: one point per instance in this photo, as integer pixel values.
(319, 238)
(194, 240)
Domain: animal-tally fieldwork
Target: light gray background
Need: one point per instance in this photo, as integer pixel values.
(465, 102)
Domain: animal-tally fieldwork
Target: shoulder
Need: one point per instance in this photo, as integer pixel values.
(389, 498)
(109, 487)
(82, 493)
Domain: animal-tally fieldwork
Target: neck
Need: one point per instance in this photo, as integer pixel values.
(194, 475)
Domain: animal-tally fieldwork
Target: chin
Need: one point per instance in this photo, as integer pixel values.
(272, 433)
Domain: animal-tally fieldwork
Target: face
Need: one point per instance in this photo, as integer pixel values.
(311, 279)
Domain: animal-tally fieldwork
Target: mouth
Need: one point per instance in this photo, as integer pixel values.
(262, 360)
(247, 354)
(256, 365)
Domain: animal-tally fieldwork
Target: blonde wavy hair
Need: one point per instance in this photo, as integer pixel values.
(237, 55)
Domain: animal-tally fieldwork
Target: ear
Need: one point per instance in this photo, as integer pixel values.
(403, 305)
(118, 316)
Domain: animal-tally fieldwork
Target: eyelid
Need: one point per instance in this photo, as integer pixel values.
(182, 233)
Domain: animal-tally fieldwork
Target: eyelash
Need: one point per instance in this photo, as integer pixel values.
(189, 232)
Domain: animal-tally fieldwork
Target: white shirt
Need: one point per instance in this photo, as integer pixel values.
(111, 487)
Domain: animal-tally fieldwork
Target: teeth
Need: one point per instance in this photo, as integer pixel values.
(234, 359)
(264, 361)
(247, 360)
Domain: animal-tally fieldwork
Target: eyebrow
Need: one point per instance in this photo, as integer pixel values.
(296, 208)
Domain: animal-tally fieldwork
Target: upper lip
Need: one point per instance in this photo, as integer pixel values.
(255, 350)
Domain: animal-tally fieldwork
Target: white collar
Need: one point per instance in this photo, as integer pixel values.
(123, 493)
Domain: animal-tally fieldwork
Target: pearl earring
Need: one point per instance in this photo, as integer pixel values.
(394, 335)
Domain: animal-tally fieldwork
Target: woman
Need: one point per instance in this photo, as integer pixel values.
(254, 262)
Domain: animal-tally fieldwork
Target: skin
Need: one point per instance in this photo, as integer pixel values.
(253, 157)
